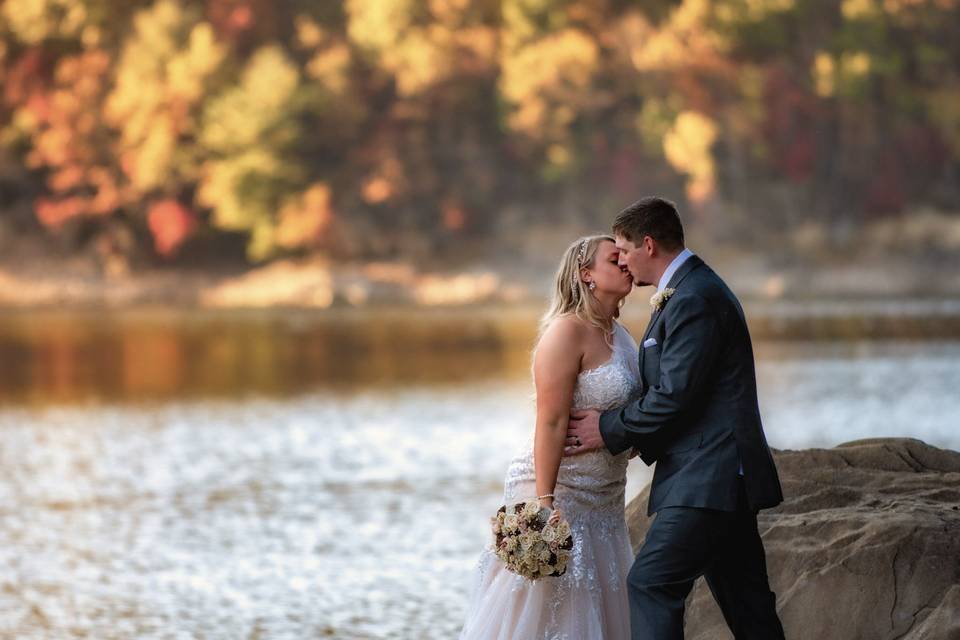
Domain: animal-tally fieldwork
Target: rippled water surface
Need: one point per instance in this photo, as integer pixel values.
(340, 511)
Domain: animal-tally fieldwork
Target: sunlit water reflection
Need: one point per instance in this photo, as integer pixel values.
(339, 514)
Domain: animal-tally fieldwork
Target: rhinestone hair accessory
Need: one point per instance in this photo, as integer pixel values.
(581, 253)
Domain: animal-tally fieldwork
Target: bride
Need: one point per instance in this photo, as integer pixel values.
(583, 359)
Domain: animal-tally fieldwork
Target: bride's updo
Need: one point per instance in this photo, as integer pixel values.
(570, 293)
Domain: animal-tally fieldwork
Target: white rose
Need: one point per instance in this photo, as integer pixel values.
(530, 509)
(658, 299)
(549, 534)
(510, 523)
(526, 540)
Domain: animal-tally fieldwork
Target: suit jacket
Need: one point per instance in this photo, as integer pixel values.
(698, 415)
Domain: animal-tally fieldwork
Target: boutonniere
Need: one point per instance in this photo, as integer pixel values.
(660, 298)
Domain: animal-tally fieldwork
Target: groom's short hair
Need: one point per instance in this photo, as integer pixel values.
(654, 217)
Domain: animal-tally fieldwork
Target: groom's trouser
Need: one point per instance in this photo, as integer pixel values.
(684, 543)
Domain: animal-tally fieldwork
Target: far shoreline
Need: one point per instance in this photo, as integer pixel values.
(783, 319)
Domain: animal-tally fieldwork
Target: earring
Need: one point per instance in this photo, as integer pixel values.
(592, 285)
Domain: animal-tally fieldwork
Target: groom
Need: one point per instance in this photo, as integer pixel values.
(699, 420)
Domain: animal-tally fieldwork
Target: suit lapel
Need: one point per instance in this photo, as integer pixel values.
(688, 265)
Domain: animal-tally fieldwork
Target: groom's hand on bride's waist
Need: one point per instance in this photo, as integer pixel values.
(583, 433)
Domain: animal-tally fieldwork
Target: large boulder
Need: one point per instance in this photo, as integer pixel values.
(865, 546)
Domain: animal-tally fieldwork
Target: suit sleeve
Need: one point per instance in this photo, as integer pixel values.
(690, 348)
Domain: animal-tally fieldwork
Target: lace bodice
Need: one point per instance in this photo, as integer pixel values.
(613, 383)
(593, 480)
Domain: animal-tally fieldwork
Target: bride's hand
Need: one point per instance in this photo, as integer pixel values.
(555, 517)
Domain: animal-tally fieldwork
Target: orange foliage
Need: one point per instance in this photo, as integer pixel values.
(70, 141)
(304, 220)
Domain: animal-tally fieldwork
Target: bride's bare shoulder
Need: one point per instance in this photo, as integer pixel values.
(560, 348)
(564, 328)
(563, 334)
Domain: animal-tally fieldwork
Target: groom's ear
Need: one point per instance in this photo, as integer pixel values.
(649, 245)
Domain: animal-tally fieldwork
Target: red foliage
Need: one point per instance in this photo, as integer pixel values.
(170, 223)
(790, 126)
(27, 81)
(53, 213)
(885, 191)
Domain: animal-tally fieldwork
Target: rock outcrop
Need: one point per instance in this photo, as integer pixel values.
(866, 545)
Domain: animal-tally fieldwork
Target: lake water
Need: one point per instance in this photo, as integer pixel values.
(275, 476)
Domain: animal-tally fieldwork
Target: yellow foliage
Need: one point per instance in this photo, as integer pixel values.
(554, 69)
(559, 155)
(419, 59)
(521, 20)
(684, 39)
(152, 157)
(304, 218)
(831, 75)
(855, 64)
(238, 118)
(760, 9)
(188, 70)
(331, 67)
(34, 21)
(220, 188)
(654, 121)
(824, 71)
(330, 63)
(854, 9)
(309, 33)
(161, 78)
(449, 12)
(378, 24)
(418, 56)
(687, 148)
(246, 130)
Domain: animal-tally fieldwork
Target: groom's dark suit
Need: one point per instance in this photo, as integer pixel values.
(699, 420)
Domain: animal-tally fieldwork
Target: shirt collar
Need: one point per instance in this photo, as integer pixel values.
(672, 268)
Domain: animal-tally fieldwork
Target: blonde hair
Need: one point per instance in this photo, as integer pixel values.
(571, 296)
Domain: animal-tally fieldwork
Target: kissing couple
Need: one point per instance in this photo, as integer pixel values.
(685, 399)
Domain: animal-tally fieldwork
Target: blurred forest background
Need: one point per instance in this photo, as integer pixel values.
(404, 142)
(245, 243)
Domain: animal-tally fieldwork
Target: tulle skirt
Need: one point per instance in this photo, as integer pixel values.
(588, 602)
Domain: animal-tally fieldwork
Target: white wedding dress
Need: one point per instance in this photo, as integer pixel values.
(588, 602)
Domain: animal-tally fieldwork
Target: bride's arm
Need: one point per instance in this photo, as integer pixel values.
(555, 369)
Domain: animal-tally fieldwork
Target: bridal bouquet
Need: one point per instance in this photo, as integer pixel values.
(531, 540)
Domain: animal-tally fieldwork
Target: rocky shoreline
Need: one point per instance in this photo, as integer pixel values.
(866, 545)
